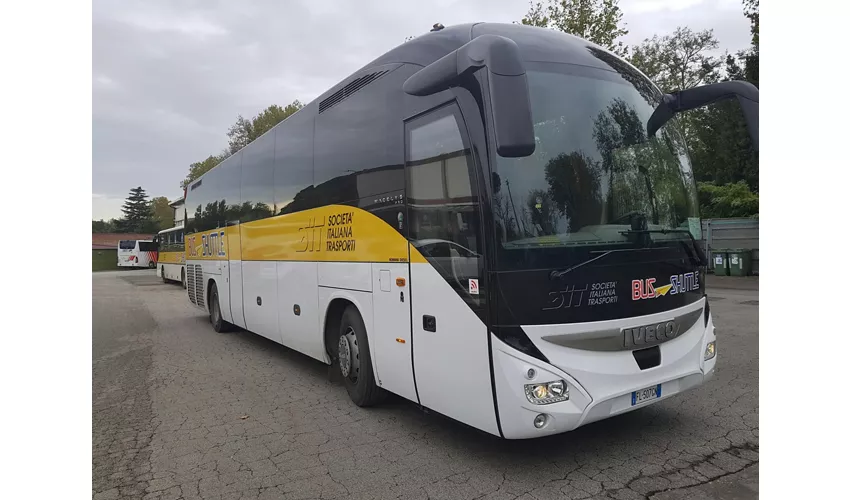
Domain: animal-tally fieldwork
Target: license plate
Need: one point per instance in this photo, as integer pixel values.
(644, 395)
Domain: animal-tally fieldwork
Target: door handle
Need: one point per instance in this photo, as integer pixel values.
(429, 323)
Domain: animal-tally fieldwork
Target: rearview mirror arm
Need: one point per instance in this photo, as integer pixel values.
(697, 97)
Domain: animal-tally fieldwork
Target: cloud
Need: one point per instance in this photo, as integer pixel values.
(169, 77)
(105, 207)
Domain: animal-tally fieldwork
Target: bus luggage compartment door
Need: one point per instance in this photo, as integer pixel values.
(391, 313)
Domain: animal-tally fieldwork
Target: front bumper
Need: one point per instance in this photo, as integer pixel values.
(600, 383)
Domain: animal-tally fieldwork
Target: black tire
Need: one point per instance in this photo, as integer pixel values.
(152, 264)
(218, 323)
(183, 277)
(162, 273)
(360, 381)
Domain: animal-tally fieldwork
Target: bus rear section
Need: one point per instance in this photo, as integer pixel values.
(137, 253)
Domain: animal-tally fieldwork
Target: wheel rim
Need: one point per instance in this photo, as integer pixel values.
(349, 355)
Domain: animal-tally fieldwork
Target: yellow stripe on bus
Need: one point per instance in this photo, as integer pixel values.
(334, 233)
(171, 257)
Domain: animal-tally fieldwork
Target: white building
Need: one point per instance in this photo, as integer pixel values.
(179, 212)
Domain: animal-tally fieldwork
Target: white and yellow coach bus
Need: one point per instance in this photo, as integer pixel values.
(492, 221)
(171, 265)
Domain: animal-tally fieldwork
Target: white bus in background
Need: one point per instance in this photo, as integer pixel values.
(137, 253)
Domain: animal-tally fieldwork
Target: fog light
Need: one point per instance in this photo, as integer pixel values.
(709, 350)
(547, 392)
(540, 420)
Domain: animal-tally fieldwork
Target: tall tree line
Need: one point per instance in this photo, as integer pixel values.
(141, 215)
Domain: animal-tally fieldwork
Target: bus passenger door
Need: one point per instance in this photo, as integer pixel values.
(450, 337)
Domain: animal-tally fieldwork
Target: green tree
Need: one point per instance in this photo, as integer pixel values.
(199, 168)
(678, 61)
(717, 136)
(730, 200)
(751, 10)
(138, 215)
(721, 149)
(751, 57)
(162, 213)
(101, 226)
(245, 131)
(598, 21)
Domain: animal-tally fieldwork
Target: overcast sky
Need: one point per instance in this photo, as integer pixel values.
(170, 76)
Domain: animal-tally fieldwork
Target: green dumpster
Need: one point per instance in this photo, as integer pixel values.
(740, 261)
(720, 258)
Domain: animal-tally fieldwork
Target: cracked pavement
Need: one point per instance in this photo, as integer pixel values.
(181, 412)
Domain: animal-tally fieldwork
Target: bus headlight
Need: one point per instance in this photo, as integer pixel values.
(710, 350)
(547, 392)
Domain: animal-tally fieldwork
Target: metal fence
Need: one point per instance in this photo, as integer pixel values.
(731, 233)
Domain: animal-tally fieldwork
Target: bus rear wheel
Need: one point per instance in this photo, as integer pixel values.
(217, 321)
(355, 363)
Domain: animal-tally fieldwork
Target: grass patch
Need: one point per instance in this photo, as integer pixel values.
(104, 260)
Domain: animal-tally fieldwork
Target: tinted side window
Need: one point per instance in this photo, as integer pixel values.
(208, 202)
(192, 207)
(230, 180)
(258, 179)
(359, 143)
(293, 170)
(147, 246)
(442, 197)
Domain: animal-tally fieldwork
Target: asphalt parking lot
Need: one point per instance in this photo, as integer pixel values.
(182, 412)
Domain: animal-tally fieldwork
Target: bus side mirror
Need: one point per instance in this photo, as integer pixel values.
(697, 97)
(507, 82)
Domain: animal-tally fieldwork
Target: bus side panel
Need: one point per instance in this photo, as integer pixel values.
(259, 279)
(350, 275)
(298, 308)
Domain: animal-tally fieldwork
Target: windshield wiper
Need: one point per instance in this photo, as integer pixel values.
(699, 258)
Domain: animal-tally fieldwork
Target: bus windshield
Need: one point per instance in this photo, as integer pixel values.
(127, 244)
(595, 178)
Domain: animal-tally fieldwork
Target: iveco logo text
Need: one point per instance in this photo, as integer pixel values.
(650, 334)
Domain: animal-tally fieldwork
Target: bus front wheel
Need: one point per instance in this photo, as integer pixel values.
(217, 321)
(355, 363)
(183, 277)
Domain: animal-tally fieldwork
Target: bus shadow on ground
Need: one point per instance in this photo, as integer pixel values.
(594, 438)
